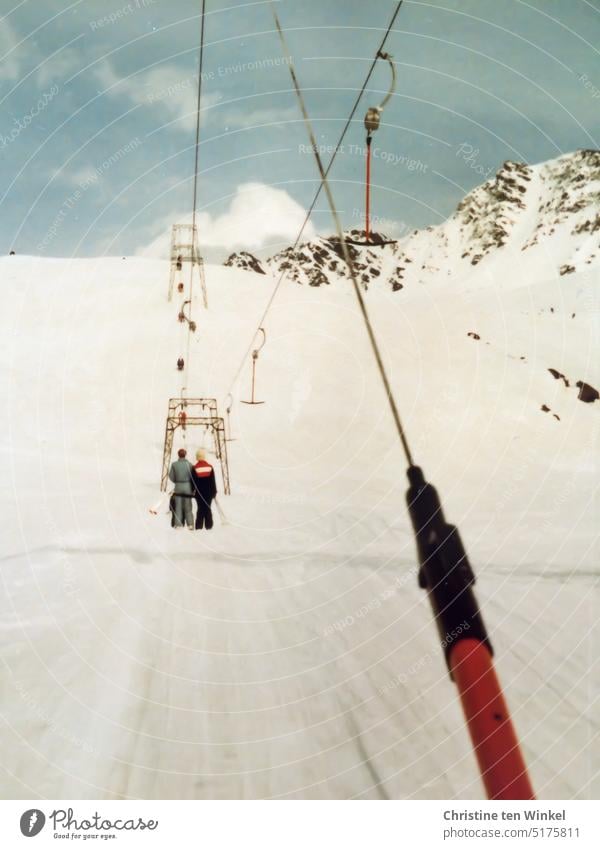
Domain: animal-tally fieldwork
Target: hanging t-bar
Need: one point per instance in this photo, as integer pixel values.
(255, 354)
(372, 122)
(373, 116)
(183, 317)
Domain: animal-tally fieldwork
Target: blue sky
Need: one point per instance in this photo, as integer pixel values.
(98, 98)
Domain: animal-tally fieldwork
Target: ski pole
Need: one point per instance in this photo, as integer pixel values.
(446, 574)
(222, 515)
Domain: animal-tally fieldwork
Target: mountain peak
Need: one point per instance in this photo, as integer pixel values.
(526, 219)
(246, 261)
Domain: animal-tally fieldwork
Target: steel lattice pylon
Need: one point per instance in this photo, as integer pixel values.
(195, 412)
(184, 251)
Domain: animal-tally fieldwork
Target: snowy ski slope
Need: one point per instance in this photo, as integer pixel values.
(290, 654)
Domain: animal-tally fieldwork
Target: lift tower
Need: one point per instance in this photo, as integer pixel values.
(185, 254)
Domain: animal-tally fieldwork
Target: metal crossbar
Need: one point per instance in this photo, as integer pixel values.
(186, 413)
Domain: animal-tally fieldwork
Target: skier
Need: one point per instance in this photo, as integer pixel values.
(205, 487)
(180, 474)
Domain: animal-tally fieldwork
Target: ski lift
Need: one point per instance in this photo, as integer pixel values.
(229, 402)
(179, 264)
(180, 364)
(373, 116)
(372, 122)
(203, 442)
(255, 354)
(183, 317)
(180, 287)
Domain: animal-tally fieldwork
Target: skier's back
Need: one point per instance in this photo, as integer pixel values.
(205, 486)
(180, 474)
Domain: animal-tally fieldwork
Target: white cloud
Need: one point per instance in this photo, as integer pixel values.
(260, 116)
(259, 215)
(59, 67)
(166, 88)
(9, 64)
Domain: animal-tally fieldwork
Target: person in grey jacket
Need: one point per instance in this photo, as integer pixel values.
(180, 474)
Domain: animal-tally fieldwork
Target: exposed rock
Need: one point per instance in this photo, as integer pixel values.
(546, 409)
(558, 376)
(246, 261)
(307, 264)
(557, 200)
(491, 210)
(587, 393)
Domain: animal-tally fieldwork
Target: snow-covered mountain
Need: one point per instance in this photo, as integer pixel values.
(290, 652)
(245, 261)
(544, 218)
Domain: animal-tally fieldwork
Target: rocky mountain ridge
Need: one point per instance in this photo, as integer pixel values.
(540, 216)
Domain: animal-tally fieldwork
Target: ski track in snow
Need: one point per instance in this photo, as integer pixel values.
(289, 654)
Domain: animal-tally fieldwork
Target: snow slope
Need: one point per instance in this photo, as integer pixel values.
(290, 652)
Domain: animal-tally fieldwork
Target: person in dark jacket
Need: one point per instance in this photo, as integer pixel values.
(205, 487)
(181, 473)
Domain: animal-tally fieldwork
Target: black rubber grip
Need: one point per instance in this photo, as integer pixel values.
(445, 571)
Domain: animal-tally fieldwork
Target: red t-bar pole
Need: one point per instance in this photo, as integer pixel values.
(446, 574)
(368, 191)
(492, 733)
